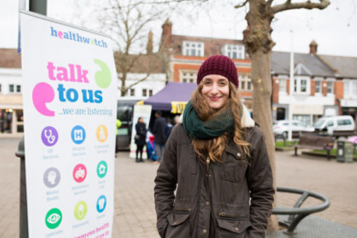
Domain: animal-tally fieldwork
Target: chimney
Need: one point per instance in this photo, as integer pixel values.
(149, 45)
(313, 47)
(246, 33)
(166, 34)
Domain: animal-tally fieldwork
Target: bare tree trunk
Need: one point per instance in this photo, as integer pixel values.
(259, 45)
(262, 109)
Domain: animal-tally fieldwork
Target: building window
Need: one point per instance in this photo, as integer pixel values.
(318, 87)
(234, 51)
(282, 85)
(132, 92)
(349, 89)
(0, 88)
(144, 92)
(330, 87)
(11, 88)
(188, 77)
(302, 85)
(193, 48)
(18, 88)
(150, 92)
(245, 83)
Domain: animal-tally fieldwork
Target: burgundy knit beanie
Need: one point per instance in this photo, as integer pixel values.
(218, 64)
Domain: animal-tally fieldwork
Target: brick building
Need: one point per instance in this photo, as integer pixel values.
(323, 85)
(185, 54)
(11, 107)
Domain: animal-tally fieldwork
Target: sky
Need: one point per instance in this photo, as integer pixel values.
(334, 29)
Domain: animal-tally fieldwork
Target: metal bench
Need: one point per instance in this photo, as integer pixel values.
(297, 213)
(315, 142)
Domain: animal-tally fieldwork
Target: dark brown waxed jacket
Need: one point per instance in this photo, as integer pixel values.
(238, 202)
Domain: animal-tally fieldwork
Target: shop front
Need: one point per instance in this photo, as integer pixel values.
(11, 116)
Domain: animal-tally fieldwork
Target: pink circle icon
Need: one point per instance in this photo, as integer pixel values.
(79, 173)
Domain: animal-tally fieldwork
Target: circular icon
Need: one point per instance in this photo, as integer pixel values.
(102, 169)
(53, 218)
(102, 133)
(78, 135)
(51, 177)
(79, 173)
(49, 136)
(101, 203)
(80, 211)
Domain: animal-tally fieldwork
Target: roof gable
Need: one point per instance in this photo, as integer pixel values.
(280, 63)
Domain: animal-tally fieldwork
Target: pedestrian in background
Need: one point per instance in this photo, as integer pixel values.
(217, 162)
(118, 125)
(159, 133)
(140, 139)
(168, 128)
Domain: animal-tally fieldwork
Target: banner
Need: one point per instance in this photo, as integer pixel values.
(178, 107)
(143, 111)
(69, 92)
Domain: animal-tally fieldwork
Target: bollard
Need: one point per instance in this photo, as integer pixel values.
(23, 196)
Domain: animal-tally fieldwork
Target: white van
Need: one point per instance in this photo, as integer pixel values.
(334, 124)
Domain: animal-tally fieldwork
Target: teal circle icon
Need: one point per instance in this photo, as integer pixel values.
(53, 218)
(102, 169)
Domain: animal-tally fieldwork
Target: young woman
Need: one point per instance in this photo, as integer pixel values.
(215, 178)
(140, 139)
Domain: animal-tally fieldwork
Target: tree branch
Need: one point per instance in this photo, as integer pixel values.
(241, 4)
(139, 81)
(307, 5)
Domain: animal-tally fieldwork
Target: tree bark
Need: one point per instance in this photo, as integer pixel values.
(259, 46)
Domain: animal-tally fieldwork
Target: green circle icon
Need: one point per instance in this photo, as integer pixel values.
(103, 77)
(80, 211)
(102, 169)
(53, 218)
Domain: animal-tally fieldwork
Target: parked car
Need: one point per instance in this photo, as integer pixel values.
(281, 127)
(335, 124)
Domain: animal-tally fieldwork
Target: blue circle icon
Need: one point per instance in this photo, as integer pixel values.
(101, 203)
(78, 135)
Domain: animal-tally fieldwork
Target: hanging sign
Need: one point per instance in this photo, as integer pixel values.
(69, 92)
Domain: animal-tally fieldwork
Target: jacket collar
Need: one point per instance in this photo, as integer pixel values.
(246, 120)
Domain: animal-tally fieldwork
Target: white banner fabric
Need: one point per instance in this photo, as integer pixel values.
(69, 94)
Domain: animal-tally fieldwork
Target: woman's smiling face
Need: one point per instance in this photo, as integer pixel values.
(215, 90)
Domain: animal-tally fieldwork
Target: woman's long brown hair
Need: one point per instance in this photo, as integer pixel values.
(213, 148)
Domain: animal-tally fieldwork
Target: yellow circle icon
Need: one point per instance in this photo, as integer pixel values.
(102, 133)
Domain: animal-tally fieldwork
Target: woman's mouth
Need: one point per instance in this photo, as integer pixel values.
(214, 98)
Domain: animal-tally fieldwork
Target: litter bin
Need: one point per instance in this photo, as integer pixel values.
(344, 151)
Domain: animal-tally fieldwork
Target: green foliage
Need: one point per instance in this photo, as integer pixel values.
(280, 144)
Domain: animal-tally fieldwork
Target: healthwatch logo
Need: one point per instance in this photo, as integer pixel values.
(43, 93)
(73, 36)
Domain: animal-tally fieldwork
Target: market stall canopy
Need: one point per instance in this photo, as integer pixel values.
(172, 98)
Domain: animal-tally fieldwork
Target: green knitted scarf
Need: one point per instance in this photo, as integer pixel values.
(216, 126)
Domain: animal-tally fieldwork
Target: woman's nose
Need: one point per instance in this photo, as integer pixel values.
(214, 88)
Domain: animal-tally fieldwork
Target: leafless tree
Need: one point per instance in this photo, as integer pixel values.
(129, 23)
(259, 45)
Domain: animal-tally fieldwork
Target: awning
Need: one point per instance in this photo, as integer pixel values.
(172, 98)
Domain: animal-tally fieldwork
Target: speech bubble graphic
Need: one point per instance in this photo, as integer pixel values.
(103, 77)
(43, 93)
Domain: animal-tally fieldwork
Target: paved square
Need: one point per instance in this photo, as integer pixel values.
(134, 214)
